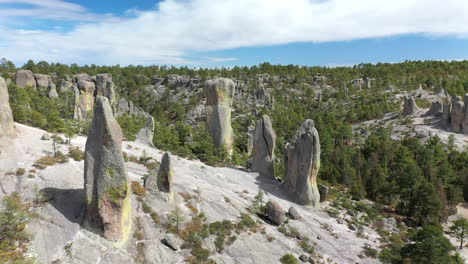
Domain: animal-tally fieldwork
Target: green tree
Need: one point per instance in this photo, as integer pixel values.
(460, 230)
(428, 246)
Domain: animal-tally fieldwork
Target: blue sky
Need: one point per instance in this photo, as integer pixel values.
(211, 33)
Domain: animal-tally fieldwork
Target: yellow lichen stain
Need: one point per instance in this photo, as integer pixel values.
(126, 221)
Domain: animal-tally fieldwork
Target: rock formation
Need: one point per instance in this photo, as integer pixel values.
(42, 80)
(302, 163)
(219, 94)
(165, 174)
(437, 108)
(457, 114)
(160, 178)
(106, 185)
(7, 127)
(146, 134)
(409, 105)
(105, 87)
(25, 78)
(446, 109)
(263, 153)
(84, 99)
(52, 91)
(275, 213)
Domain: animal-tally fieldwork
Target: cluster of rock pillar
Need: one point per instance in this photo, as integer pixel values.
(453, 113)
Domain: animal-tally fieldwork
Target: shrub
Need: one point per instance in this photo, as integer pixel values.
(138, 189)
(289, 259)
(20, 171)
(76, 153)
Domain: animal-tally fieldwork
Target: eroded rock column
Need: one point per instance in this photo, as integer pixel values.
(263, 153)
(220, 93)
(7, 127)
(106, 186)
(302, 164)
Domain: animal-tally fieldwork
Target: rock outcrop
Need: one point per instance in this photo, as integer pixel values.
(42, 80)
(165, 174)
(161, 177)
(302, 163)
(7, 127)
(409, 105)
(263, 153)
(105, 87)
(84, 99)
(437, 108)
(457, 114)
(106, 185)
(146, 134)
(52, 91)
(219, 98)
(25, 78)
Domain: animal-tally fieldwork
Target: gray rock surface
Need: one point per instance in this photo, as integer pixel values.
(82, 77)
(302, 163)
(263, 152)
(106, 184)
(66, 86)
(25, 78)
(457, 115)
(219, 98)
(446, 109)
(275, 213)
(409, 105)
(7, 126)
(105, 87)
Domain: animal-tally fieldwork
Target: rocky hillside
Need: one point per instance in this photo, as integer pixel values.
(219, 193)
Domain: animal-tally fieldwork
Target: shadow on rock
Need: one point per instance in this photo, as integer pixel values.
(69, 202)
(272, 187)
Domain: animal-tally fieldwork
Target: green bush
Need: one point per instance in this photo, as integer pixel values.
(289, 259)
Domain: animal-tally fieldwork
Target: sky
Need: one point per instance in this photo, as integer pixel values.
(213, 33)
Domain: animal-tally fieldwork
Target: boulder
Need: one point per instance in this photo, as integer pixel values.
(293, 213)
(25, 78)
(52, 91)
(357, 82)
(195, 115)
(263, 152)
(146, 134)
(409, 106)
(106, 184)
(457, 114)
(465, 120)
(7, 126)
(436, 109)
(42, 80)
(105, 87)
(82, 77)
(302, 163)
(323, 190)
(172, 241)
(263, 97)
(219, 97)
(84, 99)
(275, 213)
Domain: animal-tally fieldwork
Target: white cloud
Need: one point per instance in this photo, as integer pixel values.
(169, 33)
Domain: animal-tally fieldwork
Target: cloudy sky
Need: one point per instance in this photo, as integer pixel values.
(232, 32)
